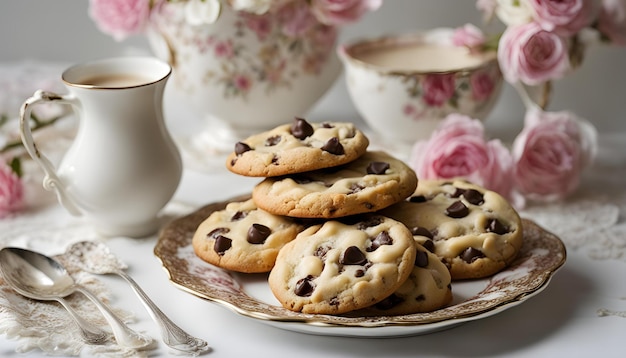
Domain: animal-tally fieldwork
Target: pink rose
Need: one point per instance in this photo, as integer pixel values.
(612, 21)
(224, 49)
(550, 153)
(487, 8)
(340, 12)
(120, 18)
(469, 36)
(11, 190)
(482, 85)
(529, 54)
(565, 17)
(438, 89)
(242, 83)
(260, 25)
(296, 19)
(458, 149)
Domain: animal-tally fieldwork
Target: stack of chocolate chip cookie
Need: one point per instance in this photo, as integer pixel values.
(342, 229)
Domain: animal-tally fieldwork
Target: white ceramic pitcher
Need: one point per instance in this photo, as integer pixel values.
(123, 166)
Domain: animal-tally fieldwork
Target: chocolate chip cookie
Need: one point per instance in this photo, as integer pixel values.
(475, 231)
(373, 181)
(337, 267)
(243, 238)
(297, 147)
(428, 288)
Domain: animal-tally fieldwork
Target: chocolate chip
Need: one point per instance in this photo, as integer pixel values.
(353, 256)
(216, 232)
(239, 215)
(241, 147)
(327, 125)
(429, 245)
(300, 179)
(382, 238)
(390, 302)
(272, 141)
(355, 188)
(457, 210)
(421, 231)
(359, 273)
(377, 168)
(222, 243)
(305, 286)
(301, 129)
(417, 199)
(257, 233)
(471, 254)
(495, 226)
(457, 192)
(421, 259)
(473, 197)
(333, 146)
(321, 252)
(370, 222)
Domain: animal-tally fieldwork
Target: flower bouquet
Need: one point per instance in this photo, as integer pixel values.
(544, 40)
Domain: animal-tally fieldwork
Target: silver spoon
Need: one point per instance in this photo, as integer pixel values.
(97, 259)
(24, 283)
(43, 278)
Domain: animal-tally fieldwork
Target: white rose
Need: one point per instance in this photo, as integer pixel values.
(514, 12)
(258, 7)
(201, 12)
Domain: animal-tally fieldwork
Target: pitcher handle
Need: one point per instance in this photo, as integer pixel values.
(51, 181)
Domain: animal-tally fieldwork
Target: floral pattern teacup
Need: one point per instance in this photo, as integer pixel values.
(404, 85)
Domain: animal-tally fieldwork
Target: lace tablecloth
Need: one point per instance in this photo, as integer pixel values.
(46, 325)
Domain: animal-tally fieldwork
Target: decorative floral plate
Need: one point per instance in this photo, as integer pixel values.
(249, 295)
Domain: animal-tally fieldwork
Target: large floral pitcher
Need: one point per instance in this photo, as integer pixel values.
(245, 73)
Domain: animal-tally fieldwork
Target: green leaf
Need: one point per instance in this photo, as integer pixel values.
(16, 166)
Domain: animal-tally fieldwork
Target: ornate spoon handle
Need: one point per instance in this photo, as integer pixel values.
(90, 333)
(172, 335)
(123, 334)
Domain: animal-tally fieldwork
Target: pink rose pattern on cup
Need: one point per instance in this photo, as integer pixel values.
(434, 94)
(270, 65)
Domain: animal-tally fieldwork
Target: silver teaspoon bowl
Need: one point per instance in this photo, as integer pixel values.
(31, 279)
(40, 277)
(96, 258)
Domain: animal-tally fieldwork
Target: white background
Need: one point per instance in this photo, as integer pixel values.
(61, 31)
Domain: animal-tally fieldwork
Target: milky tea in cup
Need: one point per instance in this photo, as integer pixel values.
(123, 167)
(115, 80)
(404, 85)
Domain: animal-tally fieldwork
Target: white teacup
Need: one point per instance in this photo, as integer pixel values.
(404, 85)
(123, 166)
